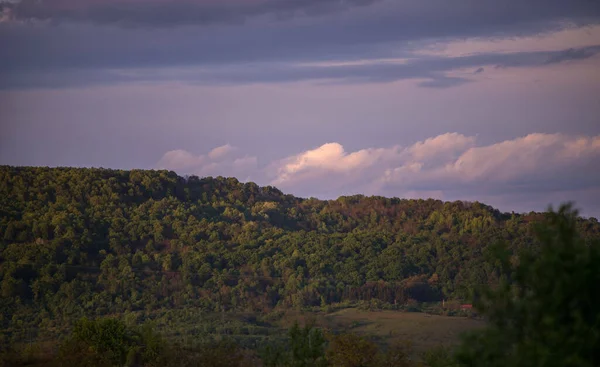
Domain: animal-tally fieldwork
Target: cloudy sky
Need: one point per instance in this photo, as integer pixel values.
(495, 101)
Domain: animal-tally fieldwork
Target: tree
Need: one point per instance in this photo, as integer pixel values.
(104, 342)
(546, 311)
(109, 342)
(307, 346)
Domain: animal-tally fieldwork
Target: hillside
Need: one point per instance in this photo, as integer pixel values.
(93, 242)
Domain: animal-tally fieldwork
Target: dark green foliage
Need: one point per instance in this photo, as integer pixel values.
(304, 347)
(546, 309)
(109, 342)
(107, 337)
(97, 242)
(307, 346)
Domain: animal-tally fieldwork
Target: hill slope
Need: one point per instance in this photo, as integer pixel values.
(92, 242)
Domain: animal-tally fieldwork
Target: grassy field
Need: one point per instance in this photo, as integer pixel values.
(422, 330)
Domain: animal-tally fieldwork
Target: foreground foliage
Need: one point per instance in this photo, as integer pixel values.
(546, 311)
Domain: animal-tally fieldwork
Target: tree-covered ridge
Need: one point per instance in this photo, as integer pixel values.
(91, 242)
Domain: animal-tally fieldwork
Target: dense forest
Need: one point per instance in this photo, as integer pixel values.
(99, 242)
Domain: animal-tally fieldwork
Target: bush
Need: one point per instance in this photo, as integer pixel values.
(108, 342)
(350, 350)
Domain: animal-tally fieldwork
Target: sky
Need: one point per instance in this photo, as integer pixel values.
(497, 102)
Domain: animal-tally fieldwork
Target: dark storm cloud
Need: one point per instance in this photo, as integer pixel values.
(571, 54)
(179, 12)
(73, 42)
(169, 12)
(433, 69)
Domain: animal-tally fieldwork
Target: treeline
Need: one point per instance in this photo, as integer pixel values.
(96, 242)
(109, 342)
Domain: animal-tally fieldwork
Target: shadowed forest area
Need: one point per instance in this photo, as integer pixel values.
(146, 268)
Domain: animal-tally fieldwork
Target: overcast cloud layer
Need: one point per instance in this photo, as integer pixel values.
(55, 43)
(320, 98)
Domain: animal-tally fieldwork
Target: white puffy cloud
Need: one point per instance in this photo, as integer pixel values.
(221, 152)
(219, 161)
(449, 166)
(331, 166)
(327, 160)
(442, 147)
(180, 160)
(535, 162)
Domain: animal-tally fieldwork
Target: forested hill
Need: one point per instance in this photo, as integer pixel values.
(91, 242)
